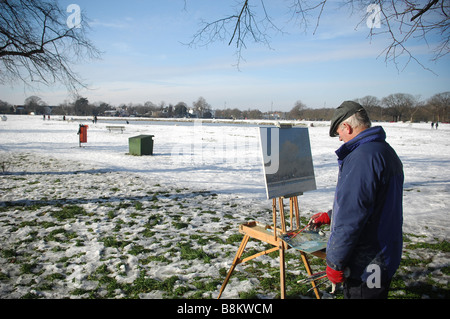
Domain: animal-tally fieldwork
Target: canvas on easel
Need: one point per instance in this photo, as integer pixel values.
(287, 161)
(288, 172)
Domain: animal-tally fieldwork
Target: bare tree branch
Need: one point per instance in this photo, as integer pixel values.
(402, 21)
(421, 12)
(37, 45)
(238, 28)
(406, 20)
(238, 22)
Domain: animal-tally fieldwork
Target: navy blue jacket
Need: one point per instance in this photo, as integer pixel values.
(367, 215)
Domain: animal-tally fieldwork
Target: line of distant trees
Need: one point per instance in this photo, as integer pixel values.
(394, 107)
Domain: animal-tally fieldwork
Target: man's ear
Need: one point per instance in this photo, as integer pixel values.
(348, 128)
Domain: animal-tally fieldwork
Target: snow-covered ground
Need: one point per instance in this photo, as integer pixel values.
(205, 177)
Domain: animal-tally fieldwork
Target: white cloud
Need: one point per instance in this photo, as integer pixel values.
(116, 24)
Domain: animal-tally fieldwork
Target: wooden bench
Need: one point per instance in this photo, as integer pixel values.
(115, 128)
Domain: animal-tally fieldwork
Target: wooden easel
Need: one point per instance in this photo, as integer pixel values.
(271, 235)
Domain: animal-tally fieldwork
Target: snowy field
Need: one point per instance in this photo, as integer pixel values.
(95, 222)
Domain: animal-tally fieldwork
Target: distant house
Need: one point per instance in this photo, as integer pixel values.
(272, 116)
(19, 109)
(191, 113)
(111, 113)
(208, 113)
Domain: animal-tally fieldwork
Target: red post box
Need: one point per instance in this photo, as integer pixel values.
(82, 132)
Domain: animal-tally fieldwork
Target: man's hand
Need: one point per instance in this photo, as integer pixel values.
(335, 276)
(318, 220)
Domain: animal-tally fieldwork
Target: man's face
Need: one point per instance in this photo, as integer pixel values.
(345, 132)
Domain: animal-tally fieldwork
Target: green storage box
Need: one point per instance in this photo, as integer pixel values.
(141, 145)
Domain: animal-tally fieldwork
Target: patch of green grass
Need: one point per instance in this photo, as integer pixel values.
(180, 225)
(60, 235)
(68, 212)
(403, 288)
(443, 246)
(235, 238)
(154, 220)
(207, 285)
(28, 223)
(30, 295)
(251, 294)
(111, 214)
(27, 268)
(189, 253)
(201, 240)
(8, 253)
(3, 276)
(55, 276)
(46, 224)
(138, 206)
(148, 259)
(138, 249)
(111, 241)
(147, 233)
(144, 284)
(414, 279)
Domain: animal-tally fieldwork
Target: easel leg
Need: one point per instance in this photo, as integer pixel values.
(235, 263)
(308, 270)
(282, 273)
(293, 205)
(297, 212)
(265, 236)
(291, 209)
(274, 217)
(282, 219)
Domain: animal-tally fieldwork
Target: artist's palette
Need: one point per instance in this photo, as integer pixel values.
(308, 241)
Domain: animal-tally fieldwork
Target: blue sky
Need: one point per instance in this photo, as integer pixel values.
(146, 59)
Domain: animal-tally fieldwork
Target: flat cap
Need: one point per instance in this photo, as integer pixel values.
(343, 112)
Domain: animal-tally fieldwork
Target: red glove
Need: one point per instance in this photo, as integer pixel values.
(335, 276)
(319, 219)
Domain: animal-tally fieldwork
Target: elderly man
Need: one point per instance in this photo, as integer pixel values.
(365, 244)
